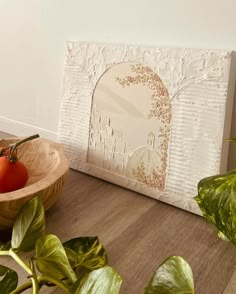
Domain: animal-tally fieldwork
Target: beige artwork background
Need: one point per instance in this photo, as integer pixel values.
(130, 124)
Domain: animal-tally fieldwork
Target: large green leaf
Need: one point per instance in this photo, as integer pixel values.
(87, 252)
(104, 280)
(29, 225)
(51, 259)
(173, 276)
(8, 280)
(217, 200)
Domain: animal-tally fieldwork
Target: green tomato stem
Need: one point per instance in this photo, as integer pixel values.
(15, 145)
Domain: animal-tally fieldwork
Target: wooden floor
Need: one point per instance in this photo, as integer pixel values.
(139, 233)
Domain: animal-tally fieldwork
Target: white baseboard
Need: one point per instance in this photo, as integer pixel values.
(21, 129)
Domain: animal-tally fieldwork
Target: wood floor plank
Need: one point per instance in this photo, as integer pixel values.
(139, 233)
(231, 287)
(162, 233)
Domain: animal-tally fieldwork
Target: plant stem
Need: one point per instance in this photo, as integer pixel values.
(20, 262)
(22, 287)
(12, 253)
(34, 278)
(35, 282)
(35, 285)
(42, 280)
(45, 279)
(4, 252)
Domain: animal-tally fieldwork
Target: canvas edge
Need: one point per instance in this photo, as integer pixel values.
(231, 93)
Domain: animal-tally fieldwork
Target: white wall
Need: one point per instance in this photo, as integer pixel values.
(33, 35)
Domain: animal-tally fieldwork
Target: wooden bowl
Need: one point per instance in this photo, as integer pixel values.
(47, 167)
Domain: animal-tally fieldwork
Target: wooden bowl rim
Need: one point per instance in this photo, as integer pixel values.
(43, 184)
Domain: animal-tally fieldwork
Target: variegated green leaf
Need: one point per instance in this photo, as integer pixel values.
(29, 225)
(217, 201)
(173, 276)
(8, 280)
(51, 259)
(104, 280)
(86, 251)
(72, 257)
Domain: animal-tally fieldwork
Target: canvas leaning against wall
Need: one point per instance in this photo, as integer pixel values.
(149, 119)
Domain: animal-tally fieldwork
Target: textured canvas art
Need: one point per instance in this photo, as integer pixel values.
(152, 120)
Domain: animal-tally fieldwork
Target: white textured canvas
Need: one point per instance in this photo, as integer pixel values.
(153, 120)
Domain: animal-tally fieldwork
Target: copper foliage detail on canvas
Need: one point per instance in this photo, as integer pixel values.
(130, 101)
(143, 163)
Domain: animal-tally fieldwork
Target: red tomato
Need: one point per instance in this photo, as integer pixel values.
(13, 175)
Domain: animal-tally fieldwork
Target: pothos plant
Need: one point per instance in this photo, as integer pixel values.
(80, 265)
